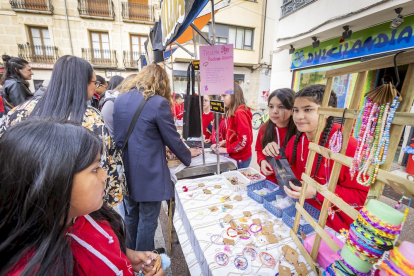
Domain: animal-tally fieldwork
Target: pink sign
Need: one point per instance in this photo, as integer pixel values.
(216, 69)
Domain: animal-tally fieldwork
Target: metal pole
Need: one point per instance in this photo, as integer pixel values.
(199, 100)
(67, 25)
(217, 115)
(172, 80)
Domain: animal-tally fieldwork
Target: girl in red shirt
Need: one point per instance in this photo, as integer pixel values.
(306, 118)
(277, 131)
(208, 117)
(54, 219)
(239, 137)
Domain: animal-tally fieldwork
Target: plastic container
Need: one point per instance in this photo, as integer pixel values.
(288, 217)
(252, 171)
(267, 203)
(258, 186)
(240, 177)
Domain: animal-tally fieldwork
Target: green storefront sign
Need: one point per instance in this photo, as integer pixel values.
(375, 40)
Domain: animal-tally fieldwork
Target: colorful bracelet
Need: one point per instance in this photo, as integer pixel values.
(375, 221)
(267, 259)
(401, 264)
(361, 256)
(222, 259)
(353, 269)
(391, 268)
(398, 255)
(363, 223)
(250, 251)
(357, 236)
(254, 232)
(338, 265)
(377, 240)
(365, 246)
(240, 262)
(233, 230)
(218, 236)
(366, 254)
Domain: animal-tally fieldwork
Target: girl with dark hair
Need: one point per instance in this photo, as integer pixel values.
(72, 84)
(277, 132)
(52, 211)
(15, 81)
(239, 137)
(306, 118)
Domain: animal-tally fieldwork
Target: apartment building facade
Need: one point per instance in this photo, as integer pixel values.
(108, 34)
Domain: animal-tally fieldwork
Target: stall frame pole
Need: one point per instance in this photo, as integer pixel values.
(199, 99)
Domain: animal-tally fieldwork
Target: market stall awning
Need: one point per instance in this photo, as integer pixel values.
(199, 22)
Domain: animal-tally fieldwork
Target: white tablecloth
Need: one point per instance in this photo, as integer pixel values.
(194, 229)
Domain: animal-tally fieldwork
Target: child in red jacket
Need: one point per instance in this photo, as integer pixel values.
(178, 108)
(239, 137)
(306, 118)
(208, 117)
(54, 219)
(277, 131)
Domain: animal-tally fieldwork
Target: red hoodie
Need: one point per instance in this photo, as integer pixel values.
(280, 138)
(348, 189)
(207, 121)
(95, 249)
(239, 137)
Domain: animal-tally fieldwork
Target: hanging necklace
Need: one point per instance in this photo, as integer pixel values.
(335, 143)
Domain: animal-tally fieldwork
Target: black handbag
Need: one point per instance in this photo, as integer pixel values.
(282, 169)
(191, 120)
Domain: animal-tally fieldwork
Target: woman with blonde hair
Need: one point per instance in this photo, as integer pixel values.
(144, 156)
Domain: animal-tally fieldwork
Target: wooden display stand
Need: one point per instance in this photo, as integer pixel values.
(399, 184)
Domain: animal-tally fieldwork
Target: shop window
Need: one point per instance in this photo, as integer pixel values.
(205, 31)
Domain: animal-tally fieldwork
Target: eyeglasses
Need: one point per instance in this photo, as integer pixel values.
(97, 83)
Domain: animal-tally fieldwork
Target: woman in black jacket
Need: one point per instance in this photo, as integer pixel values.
(15, 81)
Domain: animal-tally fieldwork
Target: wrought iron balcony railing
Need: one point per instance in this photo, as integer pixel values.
(38, 53)
(100, 58)
(137, 12)
(131, 59)
(102, 9)
(290, 6)
(37, 6)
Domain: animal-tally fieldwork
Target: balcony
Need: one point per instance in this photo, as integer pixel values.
(100, 58)
(35, 6)
(131, 59)
(99, 9)
(38, 53)
(133, 12)
(290, 6)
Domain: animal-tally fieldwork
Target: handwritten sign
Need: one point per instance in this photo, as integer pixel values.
(216, 69)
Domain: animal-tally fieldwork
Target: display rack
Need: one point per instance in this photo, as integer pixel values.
(399, 184)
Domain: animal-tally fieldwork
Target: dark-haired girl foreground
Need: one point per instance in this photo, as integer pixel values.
(277, 132)
(306, 118)
(66, 99)
(53, 220)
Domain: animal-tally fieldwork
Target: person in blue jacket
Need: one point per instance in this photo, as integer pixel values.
(147, 174)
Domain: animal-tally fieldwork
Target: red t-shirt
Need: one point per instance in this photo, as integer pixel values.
(222, 131)
(179, 111)
(239, 137)
(348, 189)
(280, 138)
(207, 121)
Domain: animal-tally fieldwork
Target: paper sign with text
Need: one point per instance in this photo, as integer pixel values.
(217, 69)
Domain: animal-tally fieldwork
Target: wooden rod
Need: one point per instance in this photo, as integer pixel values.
(318, 229)
(336, 169)
(305, 253)
(401, 118)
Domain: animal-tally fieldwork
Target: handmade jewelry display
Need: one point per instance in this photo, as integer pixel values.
(400, 262)
(267, 259)
(335, 143)
(250, 252)
(373, 128)
(252, 176)
(373, 233)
